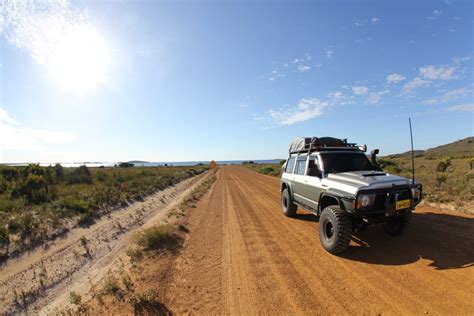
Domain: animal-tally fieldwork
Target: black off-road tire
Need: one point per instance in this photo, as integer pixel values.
(396, 226)
(287, 205)
(335, 229)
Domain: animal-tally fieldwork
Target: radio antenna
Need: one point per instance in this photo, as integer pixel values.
(412, 154)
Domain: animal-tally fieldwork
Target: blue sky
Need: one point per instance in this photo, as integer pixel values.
(197, 80)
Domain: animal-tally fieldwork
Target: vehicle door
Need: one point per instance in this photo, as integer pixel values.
(299, 179)
(312, 187)
(287, 173)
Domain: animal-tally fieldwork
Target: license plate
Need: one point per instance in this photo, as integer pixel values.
(402, 204)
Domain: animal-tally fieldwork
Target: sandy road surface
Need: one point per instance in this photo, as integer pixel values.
(243, 256)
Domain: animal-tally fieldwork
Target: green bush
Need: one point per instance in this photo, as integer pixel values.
(267, 170)
(154, 237)
(443, 165)
(80, 175)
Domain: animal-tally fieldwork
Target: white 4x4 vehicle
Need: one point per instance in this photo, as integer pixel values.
(336, 181)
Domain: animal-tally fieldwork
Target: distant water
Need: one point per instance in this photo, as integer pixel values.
(148, 164)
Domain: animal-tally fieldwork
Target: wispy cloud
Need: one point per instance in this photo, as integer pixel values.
(440, 72)
(415, 84)
(376, 97)
(329, 53)
(304, 68)
(435, 14)
(18, 137)
(394, 78)
(306, 109)
(449, 96)
(6, 118)
(468, 107)
(360, 90)
(430, 73)
(375, 20)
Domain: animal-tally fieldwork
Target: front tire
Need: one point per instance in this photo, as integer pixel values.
(287, 205)
(334, 229)
(396, 226)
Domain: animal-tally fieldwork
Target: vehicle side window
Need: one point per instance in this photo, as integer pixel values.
(290, 164)
(300, 166)
(313, 167)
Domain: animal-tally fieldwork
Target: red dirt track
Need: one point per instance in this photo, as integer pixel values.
(244, 257)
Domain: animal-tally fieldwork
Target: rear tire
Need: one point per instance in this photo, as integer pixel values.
(397, 225)
(335, 229)
(287, 205)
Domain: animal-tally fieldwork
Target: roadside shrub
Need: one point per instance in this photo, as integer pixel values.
(80, 175)
(440, 179)
(443, 165)
(59, 172)
(34, 188)
(267, 170)
(75, 298)
(9, 173)
(154, 238)
(389, 166)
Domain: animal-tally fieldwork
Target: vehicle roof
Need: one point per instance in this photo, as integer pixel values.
(315, 153)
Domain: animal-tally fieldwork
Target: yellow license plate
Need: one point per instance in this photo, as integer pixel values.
(402, 204)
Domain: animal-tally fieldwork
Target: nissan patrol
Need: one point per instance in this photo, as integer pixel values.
(336, 181)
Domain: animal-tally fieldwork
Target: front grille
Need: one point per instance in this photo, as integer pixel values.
(385, 198)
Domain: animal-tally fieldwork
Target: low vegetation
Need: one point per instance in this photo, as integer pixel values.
(267, 168)
(38, 203)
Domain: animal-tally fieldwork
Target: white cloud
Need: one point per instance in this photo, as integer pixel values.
(329, 53)
(306, 109)
(450, 96)
(414, 84)
(303, 68)
(375, 20)
(441, 72)
(436, 14)
(468, 107)
(394, 78)
(6, 118)
(18, 137)
(258, 117)
(360, 90)
(374, 98)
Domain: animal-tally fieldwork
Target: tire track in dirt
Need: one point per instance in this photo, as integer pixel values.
(273, 264)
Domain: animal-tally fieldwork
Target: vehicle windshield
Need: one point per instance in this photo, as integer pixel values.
(344, 162)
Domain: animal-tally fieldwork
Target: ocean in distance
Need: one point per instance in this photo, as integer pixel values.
(147, 164)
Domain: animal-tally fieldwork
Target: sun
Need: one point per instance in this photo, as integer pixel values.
(79, 59)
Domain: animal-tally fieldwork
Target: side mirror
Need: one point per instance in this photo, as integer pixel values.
(374, 152)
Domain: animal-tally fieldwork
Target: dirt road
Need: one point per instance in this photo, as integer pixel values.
(244, 257)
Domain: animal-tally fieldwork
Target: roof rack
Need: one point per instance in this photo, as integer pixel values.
(308, 145)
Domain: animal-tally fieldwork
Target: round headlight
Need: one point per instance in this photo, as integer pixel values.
(364, 200)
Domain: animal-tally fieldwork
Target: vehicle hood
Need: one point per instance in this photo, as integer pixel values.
(354, 181)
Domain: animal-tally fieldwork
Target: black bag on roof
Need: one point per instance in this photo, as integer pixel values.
(303, 143)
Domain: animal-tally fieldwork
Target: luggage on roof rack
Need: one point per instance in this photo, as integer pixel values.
(305, 144)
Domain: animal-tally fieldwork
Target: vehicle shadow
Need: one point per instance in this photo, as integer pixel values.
(444, 239)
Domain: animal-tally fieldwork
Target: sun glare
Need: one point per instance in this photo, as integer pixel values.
(79, 60)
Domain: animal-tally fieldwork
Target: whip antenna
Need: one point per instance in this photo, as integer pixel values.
(412, 154)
